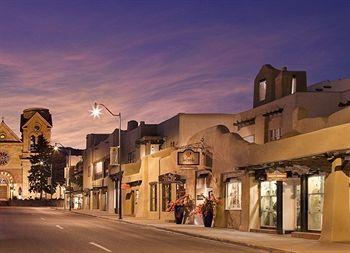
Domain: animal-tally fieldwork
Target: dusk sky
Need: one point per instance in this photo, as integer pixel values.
(154, 59)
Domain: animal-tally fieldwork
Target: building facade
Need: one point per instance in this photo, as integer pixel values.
(273, 167)
(15, 152)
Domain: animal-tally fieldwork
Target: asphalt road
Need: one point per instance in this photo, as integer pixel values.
(49, 231)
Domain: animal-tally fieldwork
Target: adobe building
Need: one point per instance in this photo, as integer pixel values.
(280, 167)
(15, 151)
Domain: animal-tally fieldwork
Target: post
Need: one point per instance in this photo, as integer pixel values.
(303, 203)
(51, 180)
(69, 184)
(279, 207)
(120, 167)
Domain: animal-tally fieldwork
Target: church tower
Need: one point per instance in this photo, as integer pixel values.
(35, 122)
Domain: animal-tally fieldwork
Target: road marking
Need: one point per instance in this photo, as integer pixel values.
(42, 218)
(58, 226)
(99, 246)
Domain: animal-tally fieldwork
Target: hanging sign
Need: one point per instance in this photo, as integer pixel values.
(277, 176)
(188, 157)
(113, 154)
(169, 178)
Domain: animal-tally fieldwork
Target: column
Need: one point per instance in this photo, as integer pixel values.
(336, 210)
(279, 207)
(303, 203)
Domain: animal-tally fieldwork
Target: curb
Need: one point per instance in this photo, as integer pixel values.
(217, 239)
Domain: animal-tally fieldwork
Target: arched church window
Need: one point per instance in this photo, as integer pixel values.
(32, 143)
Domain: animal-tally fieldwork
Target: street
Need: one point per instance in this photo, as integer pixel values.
(48, 230)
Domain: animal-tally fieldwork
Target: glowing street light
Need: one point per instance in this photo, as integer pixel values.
(96, 113)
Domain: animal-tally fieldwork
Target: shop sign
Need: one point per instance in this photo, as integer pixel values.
(277, 176)
(188, 157)
(169, 178)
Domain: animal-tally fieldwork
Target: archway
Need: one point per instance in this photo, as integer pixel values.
(6, 182)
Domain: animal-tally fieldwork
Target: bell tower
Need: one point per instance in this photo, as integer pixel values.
(35, 122)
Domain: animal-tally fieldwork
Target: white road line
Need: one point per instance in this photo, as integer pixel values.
(99, 246)
(58, 226)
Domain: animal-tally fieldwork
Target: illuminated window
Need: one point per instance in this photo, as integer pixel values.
(315, 202)
(2, 136)
(166, 196)
(262, 90)
(233, 195)
(98, 170)
(294, 85)
(275, 134)
(153, 197)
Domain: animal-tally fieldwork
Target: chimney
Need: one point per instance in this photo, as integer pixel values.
(132, 124)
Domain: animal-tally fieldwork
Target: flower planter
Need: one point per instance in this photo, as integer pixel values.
(179, 214)
(208, 219)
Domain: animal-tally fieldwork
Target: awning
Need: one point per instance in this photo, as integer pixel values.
(233, 174)
(203, 173)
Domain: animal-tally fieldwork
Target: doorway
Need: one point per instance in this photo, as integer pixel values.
(3, 192)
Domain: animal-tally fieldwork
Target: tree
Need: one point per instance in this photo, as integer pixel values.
(40, 170)
(47, 169)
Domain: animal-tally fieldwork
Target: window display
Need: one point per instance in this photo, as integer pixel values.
(315, 202)
(233, 195)
(268, 204)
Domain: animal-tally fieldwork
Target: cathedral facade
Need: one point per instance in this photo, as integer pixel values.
(15, 152)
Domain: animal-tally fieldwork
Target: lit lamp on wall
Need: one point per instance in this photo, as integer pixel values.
(96, 112)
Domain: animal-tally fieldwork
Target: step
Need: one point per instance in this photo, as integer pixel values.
(306, 235)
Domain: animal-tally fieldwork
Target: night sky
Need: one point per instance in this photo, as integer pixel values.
(153, 59)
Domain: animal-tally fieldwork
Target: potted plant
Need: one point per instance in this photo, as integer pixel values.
(207, 210)
(178, 208)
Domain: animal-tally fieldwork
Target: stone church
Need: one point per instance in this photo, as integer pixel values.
(15, 152)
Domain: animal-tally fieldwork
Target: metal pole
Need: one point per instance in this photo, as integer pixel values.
(69, 184)
(120, 167)
(51, 180)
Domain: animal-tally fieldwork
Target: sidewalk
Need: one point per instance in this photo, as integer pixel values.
(269, 242)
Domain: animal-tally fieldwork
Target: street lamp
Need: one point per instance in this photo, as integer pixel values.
(96, 113)
(57, 148)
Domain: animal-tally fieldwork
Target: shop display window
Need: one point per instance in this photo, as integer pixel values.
(315, 202)
(166, 196)
(233, 195)
(268, 203)
(153, 197)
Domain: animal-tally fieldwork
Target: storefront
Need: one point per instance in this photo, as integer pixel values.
(289, 201)
(77, 201)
